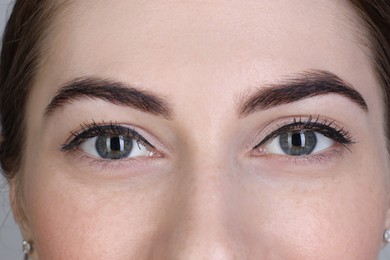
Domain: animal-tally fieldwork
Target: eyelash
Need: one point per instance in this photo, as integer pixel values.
(111, 129)
(323, 126)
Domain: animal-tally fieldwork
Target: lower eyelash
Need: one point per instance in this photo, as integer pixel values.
(316, 158)
(311, 159)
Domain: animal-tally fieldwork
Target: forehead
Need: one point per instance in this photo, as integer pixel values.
(160, 43)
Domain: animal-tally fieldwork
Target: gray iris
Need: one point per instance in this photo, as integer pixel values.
(114, 147)
(298, 143)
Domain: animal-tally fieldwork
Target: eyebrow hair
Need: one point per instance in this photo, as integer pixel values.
(115, 92)
(305, 85)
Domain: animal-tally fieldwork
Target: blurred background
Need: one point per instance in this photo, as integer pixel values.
(10, 238)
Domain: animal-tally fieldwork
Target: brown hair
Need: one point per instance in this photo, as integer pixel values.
(375, 15)
(21, 52)
(20, 55)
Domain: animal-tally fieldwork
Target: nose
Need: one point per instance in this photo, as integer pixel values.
(204, 219)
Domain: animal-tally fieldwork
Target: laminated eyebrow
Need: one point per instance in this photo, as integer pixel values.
(115, 92)
(301, 86)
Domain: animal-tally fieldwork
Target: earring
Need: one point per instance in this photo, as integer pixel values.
(386, 236)
(27, 248)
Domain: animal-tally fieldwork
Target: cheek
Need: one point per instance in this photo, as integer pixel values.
(75, 222)
(342, 220)
(71, 220)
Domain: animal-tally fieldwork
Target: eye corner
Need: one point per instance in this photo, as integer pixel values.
(68, 146)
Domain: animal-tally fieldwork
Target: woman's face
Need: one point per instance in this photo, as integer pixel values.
(206, 130)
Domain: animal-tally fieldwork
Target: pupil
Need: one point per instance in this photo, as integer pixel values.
(114, 147)
(298, 143)
(296, 140)
(115, 144)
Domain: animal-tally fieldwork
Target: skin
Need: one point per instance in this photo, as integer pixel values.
(206, 194)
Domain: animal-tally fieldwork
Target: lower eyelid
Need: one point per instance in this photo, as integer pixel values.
(326, 156)
(322, 157)
(81, 157)
(119, 167)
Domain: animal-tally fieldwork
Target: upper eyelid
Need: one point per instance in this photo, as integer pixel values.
(316, 124)
(94, 129)
(286, 121)
(111, 128)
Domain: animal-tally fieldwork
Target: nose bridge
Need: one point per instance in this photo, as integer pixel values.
(204, 225)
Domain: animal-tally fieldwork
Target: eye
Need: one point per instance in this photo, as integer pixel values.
(298, 143)
(304, 137)
(110, 142)
(114, 147)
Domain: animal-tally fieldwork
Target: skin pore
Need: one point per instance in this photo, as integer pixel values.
(200, 186)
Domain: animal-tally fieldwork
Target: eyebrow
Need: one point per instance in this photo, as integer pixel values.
(115, 92)
(305, 85)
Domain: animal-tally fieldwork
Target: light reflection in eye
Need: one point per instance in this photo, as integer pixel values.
(299, 143)
(114, 147)
(110, 142)
(304, 136)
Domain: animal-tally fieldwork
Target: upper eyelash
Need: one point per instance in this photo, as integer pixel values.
(326, 127)
(92, 130)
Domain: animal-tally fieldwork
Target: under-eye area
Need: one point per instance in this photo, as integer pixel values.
(304, 138)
